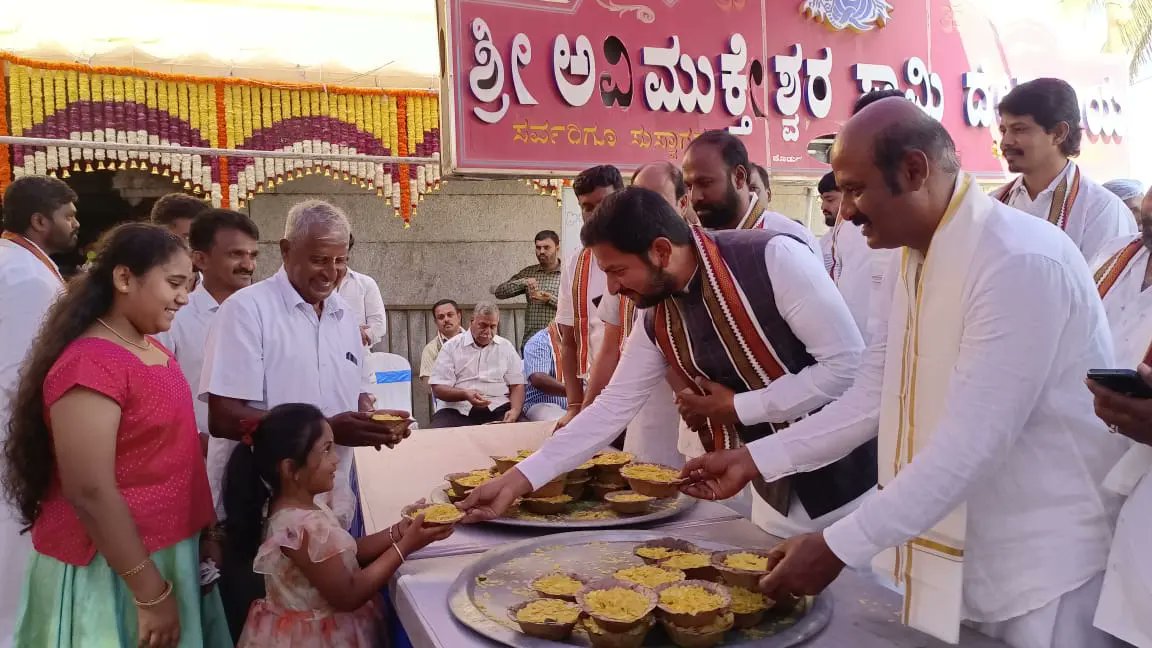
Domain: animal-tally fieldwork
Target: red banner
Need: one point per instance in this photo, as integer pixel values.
(543, 87)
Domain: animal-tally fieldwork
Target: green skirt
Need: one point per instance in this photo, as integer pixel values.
(67, 606)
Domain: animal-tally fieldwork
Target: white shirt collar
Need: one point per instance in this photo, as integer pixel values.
(469, 341)
(35, 245)
(202, 300)
(1068, 168)
(334, 304)
(445, 339)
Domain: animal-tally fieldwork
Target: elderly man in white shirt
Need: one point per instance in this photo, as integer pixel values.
(788, 348)
(1123, 278)
(293, 339)
(991, 507)
(363, 295)
(39, 219)
(1040, 130)
(478, 377)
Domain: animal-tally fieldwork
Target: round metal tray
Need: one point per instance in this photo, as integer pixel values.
(501, 577)
(663, 509)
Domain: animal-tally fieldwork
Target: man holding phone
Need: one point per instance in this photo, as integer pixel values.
(1123, 276)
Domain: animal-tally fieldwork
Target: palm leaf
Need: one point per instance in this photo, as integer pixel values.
(1137, 35)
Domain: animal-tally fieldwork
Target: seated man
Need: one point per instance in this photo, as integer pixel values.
(545, 396)
(478, 375)
(446, 312)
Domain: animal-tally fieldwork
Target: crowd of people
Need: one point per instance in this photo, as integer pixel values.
(905, 394)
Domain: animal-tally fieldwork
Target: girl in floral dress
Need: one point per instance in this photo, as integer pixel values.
(322, 584)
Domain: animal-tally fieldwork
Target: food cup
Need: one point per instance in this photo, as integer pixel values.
(601, 490)
(546, 505)
(551, 630)
(698, 618)
(703, 570)
(749, 579)
(628, 502)
(602, 638)
(703, 637)
(551, 489)
(395, 424)
(536, 587)
(504, 464)
(669, 544)
(611, 624)
(412, 510)
(748, 616)
(576, 488)
(652, 488)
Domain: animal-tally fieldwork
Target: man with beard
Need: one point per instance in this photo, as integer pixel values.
(1040, 133)
(718, 175)
(829, 206)
(539, 283)
(292, 339)
(1123, 277)
(991, 508)
(582, 287)
(39, 220)
(750, 317)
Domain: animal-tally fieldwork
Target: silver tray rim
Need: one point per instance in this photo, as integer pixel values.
(462, 607)
(683, 504)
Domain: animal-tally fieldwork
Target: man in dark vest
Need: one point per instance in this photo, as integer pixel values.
(752, 312)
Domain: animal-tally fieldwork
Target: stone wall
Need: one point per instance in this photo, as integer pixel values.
(465, 238)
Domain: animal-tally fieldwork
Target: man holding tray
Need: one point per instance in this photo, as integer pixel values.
(771, 353)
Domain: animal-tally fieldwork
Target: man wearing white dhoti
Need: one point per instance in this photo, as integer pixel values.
(1123, 277)
(1040, 131)
(39, 219)
(990, 506)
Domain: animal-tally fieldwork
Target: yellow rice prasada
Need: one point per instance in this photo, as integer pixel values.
(649, 576)
(659, 553)
(557, 585)
(628, 497)
(549, 611)
(690, 599)
(439, 513)
(747, 561)
(688, 561)
(651, 473)
(746, 601)
(616, 603)
(611, 458)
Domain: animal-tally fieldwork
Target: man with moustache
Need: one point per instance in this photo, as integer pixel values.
(1040, 133)
(718, 175)
(750, 317)
(39, 220)
(991, 508)
(647, 435)
(829, 206)
(478, 377)
(539, 283)
(1123, 277)
(446, 312)
(292, 339)
(582, 287)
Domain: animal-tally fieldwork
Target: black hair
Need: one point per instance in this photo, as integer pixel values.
(30, 458)
(872, 96)
(918, 133)
(443, 302)
(547, 234)
(32, 195)
(632, 219)
(1049, 102)
(590, 180)
(252, 478)
(202, 235)
(765, 179)
(175, 206)
(673, 172)
(732, 150)
(827, 183)
(351, 241)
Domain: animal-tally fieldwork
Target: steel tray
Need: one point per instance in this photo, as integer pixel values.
(501, 577)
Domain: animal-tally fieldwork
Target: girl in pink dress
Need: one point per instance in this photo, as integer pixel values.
(322, 584)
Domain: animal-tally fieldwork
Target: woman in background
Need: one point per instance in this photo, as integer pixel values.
(104, 463)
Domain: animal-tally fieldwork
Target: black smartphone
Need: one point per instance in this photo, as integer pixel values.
(1123, 381)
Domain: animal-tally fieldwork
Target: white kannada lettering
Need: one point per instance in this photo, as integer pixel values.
(486, 79)
(662, 90)
(733, 81)
(744, 127)
(578, 62)
(871, 77)
(932, 101)
(1102, 110)
(979, 100)
(819, 95)
(521, 57)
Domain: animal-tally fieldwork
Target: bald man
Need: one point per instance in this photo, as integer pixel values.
(991, 461)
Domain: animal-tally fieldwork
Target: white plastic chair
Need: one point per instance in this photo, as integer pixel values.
(389, 380)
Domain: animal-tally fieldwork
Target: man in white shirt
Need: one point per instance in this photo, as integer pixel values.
(293, 339)
(582, 286)
(1130, 192)
(446, 312)
(363, 294)
(788, 348)
(1040, 131)
(647, 437)
(39, 219)
(991, 507)
(1123, 278)
(479, 377)
(719, 179)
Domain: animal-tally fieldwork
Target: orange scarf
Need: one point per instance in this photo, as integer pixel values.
(34, 250)
(580, 309)
(1062, 198)
(557, 351)
(627, 318)
(1108, 273)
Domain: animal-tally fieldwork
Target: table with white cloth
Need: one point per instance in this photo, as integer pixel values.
(865, 614)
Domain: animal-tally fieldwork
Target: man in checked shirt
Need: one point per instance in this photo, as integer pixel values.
(540, 284)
